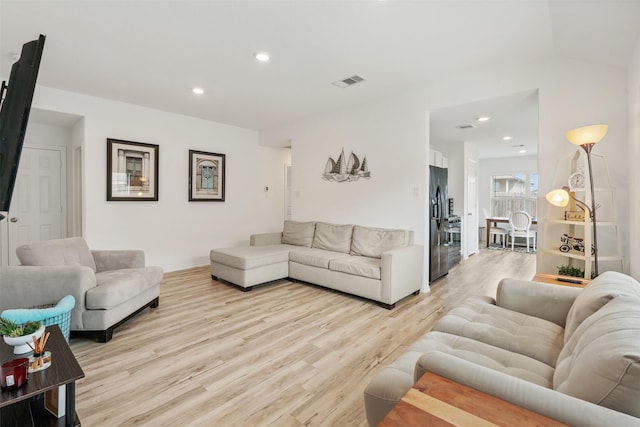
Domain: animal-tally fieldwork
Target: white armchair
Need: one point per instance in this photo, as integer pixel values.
(109, 286)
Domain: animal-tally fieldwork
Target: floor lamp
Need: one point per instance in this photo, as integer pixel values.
(586, 137)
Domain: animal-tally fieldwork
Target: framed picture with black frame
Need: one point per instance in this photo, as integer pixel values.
(132, 171)
(206, 176)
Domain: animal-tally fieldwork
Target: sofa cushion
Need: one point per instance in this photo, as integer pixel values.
(601, 361)
(489, 356)
(595, 295)
(298, 233)
(248, 257)
(358, 266)
(115, 287)
(394, 381)
(372, 242)
(477, 318)
(314, 257)
(332, 237)
(71, 251)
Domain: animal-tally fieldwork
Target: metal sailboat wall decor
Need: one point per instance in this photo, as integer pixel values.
(341, 170)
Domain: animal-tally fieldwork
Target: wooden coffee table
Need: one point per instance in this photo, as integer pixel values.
(438, 401)
(25, 406)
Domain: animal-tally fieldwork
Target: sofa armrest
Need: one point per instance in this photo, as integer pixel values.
(264, 239)
(401, 272)
(542, 300)
(25, 287)
(107, 260)
(545, 401)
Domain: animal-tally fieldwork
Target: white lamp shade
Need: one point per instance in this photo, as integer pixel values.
(587, 134)
(559, 197)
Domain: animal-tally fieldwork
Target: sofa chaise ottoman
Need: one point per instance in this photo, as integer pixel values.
(570, 354)
(382, 265)
(248, 266)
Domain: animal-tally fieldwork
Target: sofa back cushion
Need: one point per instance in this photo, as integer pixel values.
(298, 233)
(595, 295)
(71, 251)
(372, 242)
(332, 237)
(601, 361)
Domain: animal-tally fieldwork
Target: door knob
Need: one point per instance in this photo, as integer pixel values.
(14, 220)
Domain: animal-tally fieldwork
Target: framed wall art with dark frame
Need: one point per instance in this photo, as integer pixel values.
(206, 176)
(132, 171)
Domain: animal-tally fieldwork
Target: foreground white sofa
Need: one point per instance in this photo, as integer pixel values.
(378, 264)
(570, 354)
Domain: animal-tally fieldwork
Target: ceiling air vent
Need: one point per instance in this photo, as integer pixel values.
(466, 127)
(349, 81)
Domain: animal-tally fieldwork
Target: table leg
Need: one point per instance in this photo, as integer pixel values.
(70, 404)
(488, 231)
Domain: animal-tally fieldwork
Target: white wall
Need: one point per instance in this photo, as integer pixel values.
(571, 93)
(633, 159)
(173, 232)
(49, 135)
(393, 140)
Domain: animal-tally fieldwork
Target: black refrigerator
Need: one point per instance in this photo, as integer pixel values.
(438, 252)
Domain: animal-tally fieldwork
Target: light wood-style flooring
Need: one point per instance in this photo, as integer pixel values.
(285, 354)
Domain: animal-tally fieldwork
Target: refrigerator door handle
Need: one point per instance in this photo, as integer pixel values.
(438, 208)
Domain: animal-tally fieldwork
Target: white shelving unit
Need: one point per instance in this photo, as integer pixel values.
(555, 225)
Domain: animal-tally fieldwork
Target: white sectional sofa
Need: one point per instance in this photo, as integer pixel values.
(378, 264)
(570, 354)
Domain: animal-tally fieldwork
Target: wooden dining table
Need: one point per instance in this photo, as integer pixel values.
(500, 220)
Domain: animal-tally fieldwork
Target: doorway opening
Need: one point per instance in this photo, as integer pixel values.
(475, 151)
(47, 202)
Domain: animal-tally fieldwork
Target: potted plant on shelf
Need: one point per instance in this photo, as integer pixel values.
(19, 335)
(567, 270)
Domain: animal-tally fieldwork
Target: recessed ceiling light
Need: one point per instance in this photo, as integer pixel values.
(506, 138)
(198, 90)
(483, 119)
(262, 56)
(522, 151)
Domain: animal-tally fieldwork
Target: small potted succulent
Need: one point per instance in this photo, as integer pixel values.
(19, 335)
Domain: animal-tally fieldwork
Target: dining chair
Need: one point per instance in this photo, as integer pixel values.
(495, 231)
(520, 222)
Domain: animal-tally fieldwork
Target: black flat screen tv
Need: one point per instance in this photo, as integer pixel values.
(16, 96)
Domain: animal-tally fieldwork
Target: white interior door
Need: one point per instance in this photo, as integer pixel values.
(472, 208)
(37, 205)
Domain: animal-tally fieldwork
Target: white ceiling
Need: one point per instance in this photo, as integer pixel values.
(152, 53)
(513, 115)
